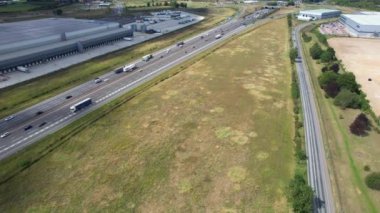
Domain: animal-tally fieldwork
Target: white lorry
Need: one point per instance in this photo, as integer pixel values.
(129, 68)
(147, 57)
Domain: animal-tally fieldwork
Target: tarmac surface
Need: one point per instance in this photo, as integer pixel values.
(65, 62)
(317, 170)
(28, 126)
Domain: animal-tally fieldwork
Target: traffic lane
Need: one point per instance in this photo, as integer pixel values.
(184, 50)
(97, 95)
(29, 114)
(184, 59)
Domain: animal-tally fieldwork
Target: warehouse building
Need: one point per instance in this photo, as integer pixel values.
(307, 15)
(27, 43)
(364, 24)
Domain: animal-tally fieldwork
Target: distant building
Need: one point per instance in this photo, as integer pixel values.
(27, 43)
(318, 14)
(364, 24)
(250, 2)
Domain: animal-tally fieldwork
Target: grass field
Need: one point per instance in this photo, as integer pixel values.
(216, 137)
(347, 154)
(21, 96)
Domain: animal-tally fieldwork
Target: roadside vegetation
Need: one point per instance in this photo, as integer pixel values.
(18, 97)
(217, 136)
(300, 193)
(350, 128)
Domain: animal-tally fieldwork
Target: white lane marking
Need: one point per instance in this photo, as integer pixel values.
(163, 67)
(128, 85)
(36, 133)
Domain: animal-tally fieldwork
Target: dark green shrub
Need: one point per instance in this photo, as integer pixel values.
(360, 125)
(347, 80)
(316, 51)
(373, 180)
(347, 99)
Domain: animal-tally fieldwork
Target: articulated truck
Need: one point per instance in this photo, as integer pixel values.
(80, 105)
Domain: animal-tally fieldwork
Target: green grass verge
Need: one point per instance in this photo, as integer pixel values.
(21, 96)
(215, 137)
(330, 119)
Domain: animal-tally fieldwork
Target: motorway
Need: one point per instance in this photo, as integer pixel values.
(53, 114)
(317, 170)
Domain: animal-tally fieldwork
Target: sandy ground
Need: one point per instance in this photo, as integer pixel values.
(362, 57)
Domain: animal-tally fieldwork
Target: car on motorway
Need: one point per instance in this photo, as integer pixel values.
(39, 113)
(69, 96)
(298, 60)
(28, 127)
(9, 118)
(42, 124)
(5, 134)
(119, 70)
(180, 44)
(98, 80)
(218, 36)
(128, 38)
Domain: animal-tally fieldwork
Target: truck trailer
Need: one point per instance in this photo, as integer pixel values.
(80, 105)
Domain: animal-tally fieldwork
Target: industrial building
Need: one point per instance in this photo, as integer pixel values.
(27, 43)
(307, 15)
(364, 24)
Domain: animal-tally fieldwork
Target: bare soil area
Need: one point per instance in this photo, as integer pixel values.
(362, 57)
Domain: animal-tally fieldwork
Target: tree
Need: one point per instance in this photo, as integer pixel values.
(166, 3)
(148, 4)
(58, 12)
(326, 56)
(306, 38)
(360, 125)
(293, 54)
(301, 194)
(347, 99)
(290, 3)
(347, 80)
(335, 67)
(327, 77)
(316, 51)
(373, 180)
(332, 89)
(289, 18)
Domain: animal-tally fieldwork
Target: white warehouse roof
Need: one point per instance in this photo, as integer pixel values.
(364, 19)
(318, 11)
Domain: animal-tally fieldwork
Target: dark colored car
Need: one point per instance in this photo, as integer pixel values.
(69, 96)
(120, 70)
(180, 44)
(42, 124)
(28, 127)
(39, 113)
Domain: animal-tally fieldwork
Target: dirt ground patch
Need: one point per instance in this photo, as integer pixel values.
(362, 57)
(201, 141)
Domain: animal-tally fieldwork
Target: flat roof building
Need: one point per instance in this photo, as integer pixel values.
(26, 43)
(364, 24)
(318, 14)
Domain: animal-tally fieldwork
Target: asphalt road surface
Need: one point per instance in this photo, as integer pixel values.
(317, 169)
(33, 123)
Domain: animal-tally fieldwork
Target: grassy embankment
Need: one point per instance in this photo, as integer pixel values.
(347, 154)
(217, 136)
(21, 96)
